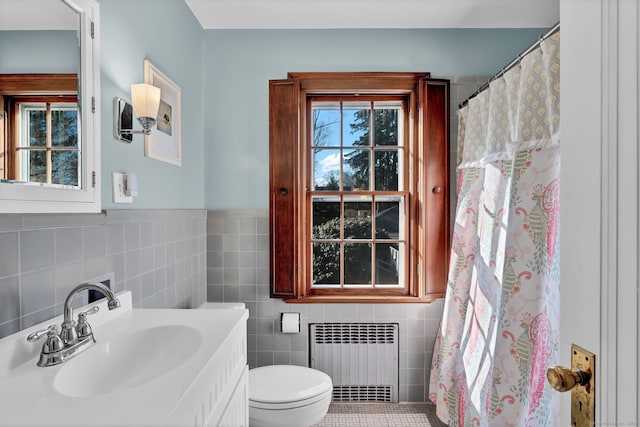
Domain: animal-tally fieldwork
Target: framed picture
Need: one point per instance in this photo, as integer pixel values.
(164, 142)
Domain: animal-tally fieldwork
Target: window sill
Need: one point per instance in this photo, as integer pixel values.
(366, 299)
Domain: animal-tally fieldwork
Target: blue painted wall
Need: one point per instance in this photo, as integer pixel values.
(166, 33)
(239, 63)
(224, 78)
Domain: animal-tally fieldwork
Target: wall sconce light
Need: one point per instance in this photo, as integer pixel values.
(146, 102)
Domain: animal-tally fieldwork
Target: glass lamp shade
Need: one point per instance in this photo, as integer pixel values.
(145, 99)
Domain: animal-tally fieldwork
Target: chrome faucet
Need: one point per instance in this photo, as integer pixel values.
(74, 338)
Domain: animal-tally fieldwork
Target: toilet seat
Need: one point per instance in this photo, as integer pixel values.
(287, 386)
(290, 405)
(288, 395)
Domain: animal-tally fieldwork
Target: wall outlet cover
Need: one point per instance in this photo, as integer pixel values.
(120, 188)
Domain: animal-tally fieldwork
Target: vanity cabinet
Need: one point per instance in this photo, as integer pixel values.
(236, 413)
(220, 395)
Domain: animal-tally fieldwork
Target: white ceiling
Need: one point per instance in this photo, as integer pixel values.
(37, 15)
(245, 14)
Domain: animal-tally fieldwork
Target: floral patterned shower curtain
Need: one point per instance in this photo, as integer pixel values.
(499, 330)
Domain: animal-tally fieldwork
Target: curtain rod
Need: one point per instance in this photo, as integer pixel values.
(512, 64)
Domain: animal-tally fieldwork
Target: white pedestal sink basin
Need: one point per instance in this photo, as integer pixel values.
(149, 367)
(127, 361)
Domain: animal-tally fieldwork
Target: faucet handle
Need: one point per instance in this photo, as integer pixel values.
(52, 344)
(92, 310)
(35, 336)
(83, 329)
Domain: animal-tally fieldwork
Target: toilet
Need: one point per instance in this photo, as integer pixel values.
(284, 395)
(288, 395)
(221, 305)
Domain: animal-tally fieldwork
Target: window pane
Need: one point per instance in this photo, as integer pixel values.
(388, 220)
(388, 261)
(386, 170)
(358, 235)
(357, 263)
(357, 220)
(37, 124)
(64, 167)
(64, 128)
(326, 170)
(34, 164)
(356, 170)
(326, 264)
(356, 124)
(326, 219)
(385, 125)
(326, 125)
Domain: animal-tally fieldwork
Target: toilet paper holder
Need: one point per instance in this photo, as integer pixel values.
(290, 323)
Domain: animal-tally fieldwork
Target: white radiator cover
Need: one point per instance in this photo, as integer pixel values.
(361, 359)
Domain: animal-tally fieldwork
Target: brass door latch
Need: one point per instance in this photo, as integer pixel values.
(580, 379)
(564, 379)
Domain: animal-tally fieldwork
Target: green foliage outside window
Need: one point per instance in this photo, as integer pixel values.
(357, 256)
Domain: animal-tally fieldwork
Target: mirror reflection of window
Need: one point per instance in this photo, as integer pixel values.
(48, 148)
(41, 129)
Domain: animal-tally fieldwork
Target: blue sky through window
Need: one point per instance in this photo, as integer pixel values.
(327, 118)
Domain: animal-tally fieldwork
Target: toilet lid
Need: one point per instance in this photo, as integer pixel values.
(286, 383)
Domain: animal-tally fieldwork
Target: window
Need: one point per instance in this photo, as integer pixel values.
(359, 187)
(40, 138)
(47, 148)
(358, 198)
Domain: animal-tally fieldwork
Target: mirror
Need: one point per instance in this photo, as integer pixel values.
(49, 84)
(39, 142)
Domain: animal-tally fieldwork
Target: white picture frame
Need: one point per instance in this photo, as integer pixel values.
(164, 143)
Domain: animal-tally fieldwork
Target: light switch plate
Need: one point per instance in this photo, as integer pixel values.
(583, 398)
(120, 188)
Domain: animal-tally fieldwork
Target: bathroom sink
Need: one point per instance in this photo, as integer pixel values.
(148, 367)
(128, 361)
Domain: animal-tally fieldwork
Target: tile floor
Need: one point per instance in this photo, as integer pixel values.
(380, 415)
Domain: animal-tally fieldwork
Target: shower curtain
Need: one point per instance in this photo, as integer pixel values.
(499, 330)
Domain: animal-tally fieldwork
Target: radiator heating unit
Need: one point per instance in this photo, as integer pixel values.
(361, 359)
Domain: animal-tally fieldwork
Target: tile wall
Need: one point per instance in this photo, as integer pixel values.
(160, 255)
(238, 270)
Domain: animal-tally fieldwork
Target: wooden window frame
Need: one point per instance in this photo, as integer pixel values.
(428, 183)
(16, 89)
(15, 123)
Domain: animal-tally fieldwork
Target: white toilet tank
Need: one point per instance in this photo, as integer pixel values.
(223, 305)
